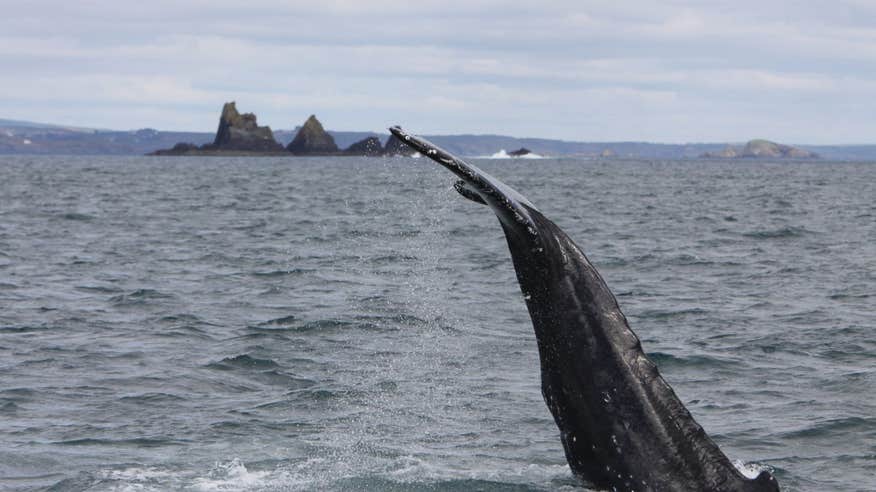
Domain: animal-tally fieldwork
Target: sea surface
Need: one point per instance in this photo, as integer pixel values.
(340, 324)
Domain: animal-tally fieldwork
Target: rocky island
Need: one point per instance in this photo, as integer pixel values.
(312, 139)
(240, 134)
(761, 149)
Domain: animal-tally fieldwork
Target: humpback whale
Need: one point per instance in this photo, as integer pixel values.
(621, 425)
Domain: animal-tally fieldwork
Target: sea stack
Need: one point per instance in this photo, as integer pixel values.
(312, 139)
(368, 147)
(241, 132)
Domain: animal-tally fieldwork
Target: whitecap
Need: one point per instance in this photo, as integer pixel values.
(750, 470)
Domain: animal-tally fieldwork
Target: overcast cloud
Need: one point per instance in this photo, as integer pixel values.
(676, 71)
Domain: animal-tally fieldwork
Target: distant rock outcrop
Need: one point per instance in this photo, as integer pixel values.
(312, 139)
(762, 149)
(394, 146)
(765, 148)
(369, 147)
(183, 147)
(607, 153)
(241, 132)
(238, 134)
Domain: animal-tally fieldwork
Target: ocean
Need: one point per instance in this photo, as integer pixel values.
(343, 324)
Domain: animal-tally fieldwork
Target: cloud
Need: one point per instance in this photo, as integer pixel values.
(667, 71)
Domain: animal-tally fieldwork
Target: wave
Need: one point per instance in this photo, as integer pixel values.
(663, 359)
(140, 442)
(243, 361)
(283, 273)
(100, 289)
(283, 321)
(25, 328)
(783, 232)
(502, 154)
(139, 296)
(8, 407)
(668, 314)
(832, 427)
(77, 216)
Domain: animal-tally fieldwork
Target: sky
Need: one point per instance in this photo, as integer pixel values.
(637, 70)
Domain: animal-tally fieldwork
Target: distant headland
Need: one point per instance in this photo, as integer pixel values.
(240, 134)
(760, 149)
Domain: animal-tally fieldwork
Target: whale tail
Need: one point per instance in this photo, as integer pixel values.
(512, 208)
(469, 193)
(601, 388)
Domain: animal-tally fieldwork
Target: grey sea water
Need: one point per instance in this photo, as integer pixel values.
(353, 324)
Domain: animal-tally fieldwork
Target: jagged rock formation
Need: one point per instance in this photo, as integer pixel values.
(369, 147)
(520, 152)
(312, 139)
(241, 132)
(394, 146)
(238, 134)
(762, 149)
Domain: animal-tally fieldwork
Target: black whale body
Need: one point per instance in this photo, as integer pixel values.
(622, 426)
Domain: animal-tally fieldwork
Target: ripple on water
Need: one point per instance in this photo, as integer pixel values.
(289, 272)
(665, 360)
(857, 426)
(228, 324)
(779, 233)
(243, 361)
(77, 216)
(152, 399)
(140, 297)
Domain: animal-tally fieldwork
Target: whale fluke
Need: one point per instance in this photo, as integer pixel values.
(622, 426)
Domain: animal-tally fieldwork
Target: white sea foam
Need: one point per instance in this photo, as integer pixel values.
(750, 470)
(502, 154)
(235, 476)
(140, 478)
(411, 470)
